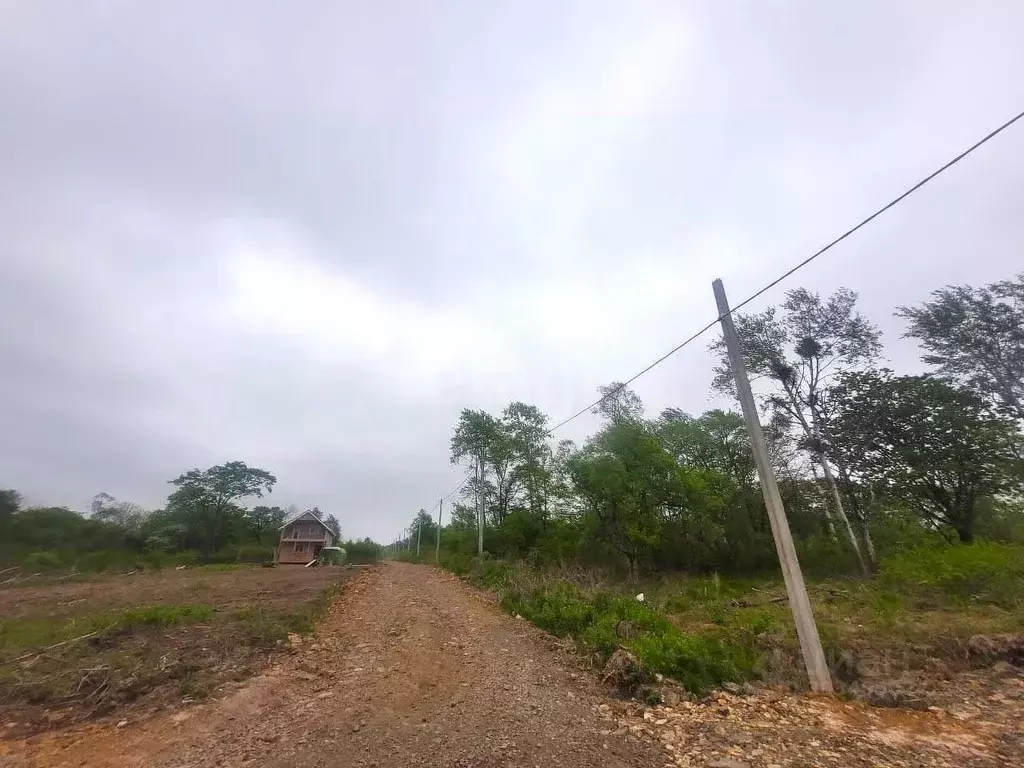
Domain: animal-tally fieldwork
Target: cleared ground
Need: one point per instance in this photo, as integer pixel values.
(413, 667)
(122, 646)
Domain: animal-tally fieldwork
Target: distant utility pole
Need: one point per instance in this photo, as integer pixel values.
(480, 506)
(440, 512)
(806, 630)
(419, 530)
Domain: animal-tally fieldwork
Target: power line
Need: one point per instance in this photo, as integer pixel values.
(895, 201)
(789, 272)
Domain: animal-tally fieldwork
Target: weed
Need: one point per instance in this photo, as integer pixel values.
(603, 621)
(697, 662)
(262, 628)
(165, 615)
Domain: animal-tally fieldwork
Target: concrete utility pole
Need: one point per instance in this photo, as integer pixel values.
(419, 530)
(480, 506)
(806, 629)
(440, 513)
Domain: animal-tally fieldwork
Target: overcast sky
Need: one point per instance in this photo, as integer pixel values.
(307, 234)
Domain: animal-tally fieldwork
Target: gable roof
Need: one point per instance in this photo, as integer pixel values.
(306, 517)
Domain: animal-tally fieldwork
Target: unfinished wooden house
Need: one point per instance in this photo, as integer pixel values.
(302, 538)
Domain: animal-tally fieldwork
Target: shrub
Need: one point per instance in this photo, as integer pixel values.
(107, 560)
(980, 572)
(603, 621)
(254, 553)
(43, 560)
(364, 552)
(186, 557)
(157, 559)
(227, 554)
(457, 562)
(697, 662)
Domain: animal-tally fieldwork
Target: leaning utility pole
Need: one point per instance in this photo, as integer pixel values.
(440, 513)
(480, 506)
(806, 630)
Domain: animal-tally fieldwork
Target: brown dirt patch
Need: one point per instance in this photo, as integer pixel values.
(770, 727)
(225, 589)
(126, 669)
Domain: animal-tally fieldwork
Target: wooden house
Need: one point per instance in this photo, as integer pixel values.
(302, 538)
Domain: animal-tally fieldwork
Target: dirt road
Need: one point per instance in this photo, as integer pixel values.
(413, 668)
(410, 668)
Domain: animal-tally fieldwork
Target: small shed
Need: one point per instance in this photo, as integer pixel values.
(302, 539)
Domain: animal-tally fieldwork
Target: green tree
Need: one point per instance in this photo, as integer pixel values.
(125, 514)
(629, 485)
(976, 336)
(732, 524)
(526, 429)
(717, 440)
(205, 501)
(926, 443)
(423, 529)
(264, 522)
(10, 503)
(562, 497)
(619, 404)
(63, 528)
(481, 436)
(334, 526)
(799, 353)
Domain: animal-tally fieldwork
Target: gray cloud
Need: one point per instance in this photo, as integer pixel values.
(306, 235)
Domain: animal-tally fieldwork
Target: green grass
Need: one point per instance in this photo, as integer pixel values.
(979, 574)
(17, 635)
(705, 630)
(602, 620)
(165, 615)
(263, 628)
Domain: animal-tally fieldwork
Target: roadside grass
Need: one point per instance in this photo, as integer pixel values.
(706, 630)
(602, 620)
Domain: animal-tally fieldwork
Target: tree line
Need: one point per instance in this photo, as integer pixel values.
(204, 520)
(868, 459)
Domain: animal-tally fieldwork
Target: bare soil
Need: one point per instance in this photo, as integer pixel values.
(131, 671)
(225, 589)
(412, 667)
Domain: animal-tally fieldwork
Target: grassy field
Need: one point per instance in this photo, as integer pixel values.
(916, 619)
(77, 649)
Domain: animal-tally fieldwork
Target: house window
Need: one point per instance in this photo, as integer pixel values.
(300, 547)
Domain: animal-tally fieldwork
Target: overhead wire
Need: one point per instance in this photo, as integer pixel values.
(895, 201)
(800, 265)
